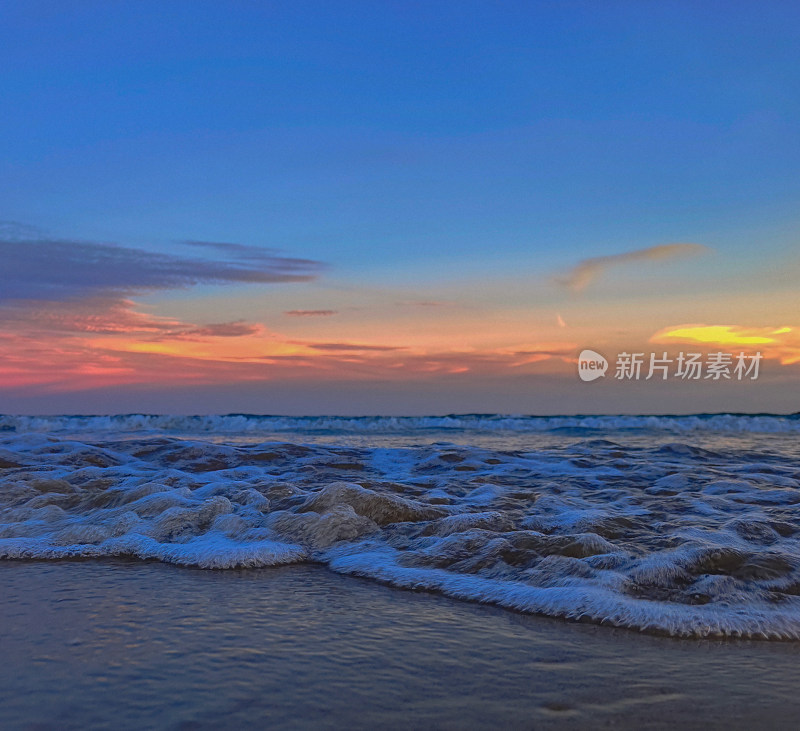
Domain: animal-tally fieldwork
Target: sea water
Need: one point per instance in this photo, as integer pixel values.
(128, 644)
(683, 526)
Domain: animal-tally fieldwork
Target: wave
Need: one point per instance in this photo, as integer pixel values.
(660, 537)
(486, 423)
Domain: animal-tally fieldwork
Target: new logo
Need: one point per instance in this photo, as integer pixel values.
(591, 365)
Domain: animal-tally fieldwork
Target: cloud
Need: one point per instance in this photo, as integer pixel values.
(310, 313)
(90, 315)
(67, 315)
(549, 350)
(16, 231)
(56, 270)
(779, 343)
(255, 254)
(352, 346)
(68, 346)
(69, 321)
(586, 271)
(236, 329)
(109, 316)
(719, 334)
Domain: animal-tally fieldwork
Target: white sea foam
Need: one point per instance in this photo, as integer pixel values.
(679, 537)
(249, 423)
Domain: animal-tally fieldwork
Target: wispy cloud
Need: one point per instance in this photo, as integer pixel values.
(56, 269)
(352, 346)
(109, 316)
(90, 315)
(17, 231)
(310, 313)
(258, 255)
(236, 329)
(588, 270)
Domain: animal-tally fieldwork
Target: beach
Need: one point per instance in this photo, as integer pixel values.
(399, 365)
(96, 644)
(478, 571)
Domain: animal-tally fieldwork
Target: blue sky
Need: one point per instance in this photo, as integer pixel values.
(415, 150)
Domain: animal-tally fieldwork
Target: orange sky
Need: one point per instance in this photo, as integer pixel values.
(527, 331)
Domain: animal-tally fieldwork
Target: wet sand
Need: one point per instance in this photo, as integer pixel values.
(128, 644)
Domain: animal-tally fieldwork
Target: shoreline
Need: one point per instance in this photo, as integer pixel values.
(92, 643)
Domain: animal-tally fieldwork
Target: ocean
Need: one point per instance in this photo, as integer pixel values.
(683, 530)
(685, 526)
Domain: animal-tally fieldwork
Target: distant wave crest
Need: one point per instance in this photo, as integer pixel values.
(491, 423)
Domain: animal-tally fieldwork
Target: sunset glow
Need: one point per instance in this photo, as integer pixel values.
(268, 223)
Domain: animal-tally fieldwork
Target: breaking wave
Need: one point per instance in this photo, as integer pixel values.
(252, 423)
(663, 535)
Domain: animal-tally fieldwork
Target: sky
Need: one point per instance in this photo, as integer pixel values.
(398, 207)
